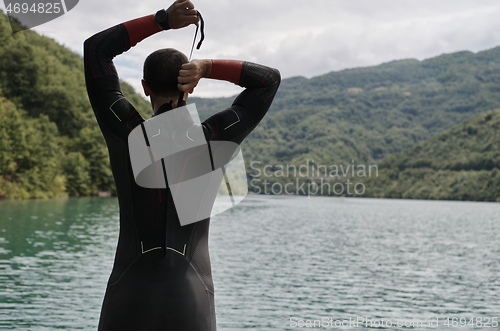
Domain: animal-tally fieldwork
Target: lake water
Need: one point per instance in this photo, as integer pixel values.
(279, 263)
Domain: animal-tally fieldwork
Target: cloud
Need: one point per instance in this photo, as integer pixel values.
(306, 38)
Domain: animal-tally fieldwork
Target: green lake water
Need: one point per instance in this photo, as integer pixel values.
(277, 262)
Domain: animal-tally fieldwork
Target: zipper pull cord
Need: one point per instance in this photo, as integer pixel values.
(180, 102)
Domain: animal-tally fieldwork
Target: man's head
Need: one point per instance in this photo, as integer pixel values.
(161, 70)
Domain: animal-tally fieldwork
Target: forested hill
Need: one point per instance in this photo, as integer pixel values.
(368, 113)
(50, 143)
(459, 164)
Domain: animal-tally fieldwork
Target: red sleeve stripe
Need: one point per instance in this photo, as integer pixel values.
(228, 70)
(141, 28)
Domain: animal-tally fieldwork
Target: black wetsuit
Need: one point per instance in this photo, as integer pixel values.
(161, 278)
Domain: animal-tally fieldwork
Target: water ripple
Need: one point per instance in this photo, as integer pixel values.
(274, 258)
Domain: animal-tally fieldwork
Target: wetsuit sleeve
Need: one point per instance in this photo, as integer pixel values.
(113, 112)
(261, 84)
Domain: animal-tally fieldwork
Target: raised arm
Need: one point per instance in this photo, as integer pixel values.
(235, 123)
(114, 113)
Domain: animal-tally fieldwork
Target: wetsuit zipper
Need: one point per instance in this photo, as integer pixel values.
(166, 198)
(169, 236)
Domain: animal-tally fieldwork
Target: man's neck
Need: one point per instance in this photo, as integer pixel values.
(159, 101)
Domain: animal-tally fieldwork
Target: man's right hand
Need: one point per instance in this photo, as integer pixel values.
(181, 14)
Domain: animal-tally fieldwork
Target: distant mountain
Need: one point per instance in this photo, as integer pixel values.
(462, 163)
(365, 114)
(459, 164)
(51, 145)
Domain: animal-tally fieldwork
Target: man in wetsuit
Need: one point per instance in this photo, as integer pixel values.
(161, 278)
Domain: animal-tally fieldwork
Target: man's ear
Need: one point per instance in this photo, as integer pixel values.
(145, 86)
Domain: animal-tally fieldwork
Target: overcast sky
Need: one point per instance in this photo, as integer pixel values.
(300, 38)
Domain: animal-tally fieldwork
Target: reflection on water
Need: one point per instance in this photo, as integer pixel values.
(274, 258)
(56, 258)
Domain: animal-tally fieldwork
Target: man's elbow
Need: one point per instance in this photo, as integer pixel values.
(277, 74)
(276, 79)
(272, 77)
(88, 43)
